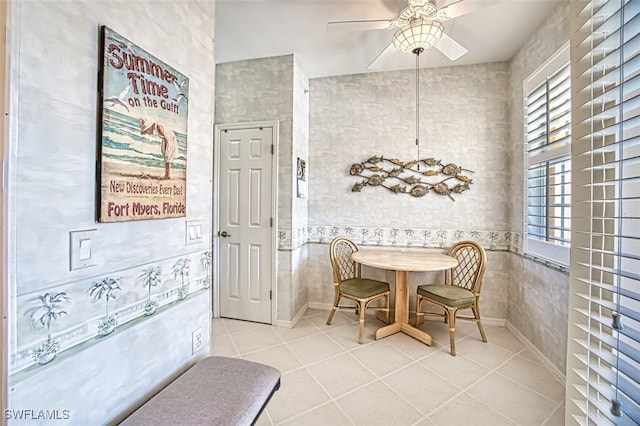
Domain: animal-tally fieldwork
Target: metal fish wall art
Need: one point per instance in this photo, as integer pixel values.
(402, 177)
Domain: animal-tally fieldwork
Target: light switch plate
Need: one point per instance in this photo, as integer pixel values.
(82, 249)
(193, 231)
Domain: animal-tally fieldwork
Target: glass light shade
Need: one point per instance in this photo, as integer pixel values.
(419, 34)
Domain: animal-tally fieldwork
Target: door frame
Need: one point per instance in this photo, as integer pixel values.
(219, 128)
(4, 224)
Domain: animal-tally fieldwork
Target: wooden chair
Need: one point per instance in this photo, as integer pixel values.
(349, 284)
(461, 289)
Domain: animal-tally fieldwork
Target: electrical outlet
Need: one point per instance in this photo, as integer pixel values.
(196, 340)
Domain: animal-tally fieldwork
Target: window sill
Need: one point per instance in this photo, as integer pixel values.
(547, 262)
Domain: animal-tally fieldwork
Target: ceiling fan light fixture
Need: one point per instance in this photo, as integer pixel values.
(419, 34)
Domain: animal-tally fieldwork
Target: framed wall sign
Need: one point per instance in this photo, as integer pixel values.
(302, 178)
(143, 134)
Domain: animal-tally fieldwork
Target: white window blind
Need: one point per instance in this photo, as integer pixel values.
(603, 359)
(548, 175)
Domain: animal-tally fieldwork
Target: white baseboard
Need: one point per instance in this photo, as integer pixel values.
(320, 306)
(547, 364)
(292, 323)
(495, 322)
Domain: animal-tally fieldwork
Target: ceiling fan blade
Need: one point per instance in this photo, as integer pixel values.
(378, 62)
(463, 7)
(450, 48)
(377, 24)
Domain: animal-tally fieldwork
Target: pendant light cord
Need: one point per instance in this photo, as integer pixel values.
(417, 52)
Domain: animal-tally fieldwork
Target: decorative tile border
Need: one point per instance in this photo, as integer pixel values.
(293, 239)
(409, 237)
(84, 316)
(398, 237)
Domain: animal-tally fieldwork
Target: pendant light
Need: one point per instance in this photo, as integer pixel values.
(418, 35)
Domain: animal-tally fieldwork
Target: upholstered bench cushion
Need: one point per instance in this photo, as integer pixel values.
(215, 391)
(448, 294)
(363, 287)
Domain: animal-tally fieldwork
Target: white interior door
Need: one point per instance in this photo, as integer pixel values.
(245, 223)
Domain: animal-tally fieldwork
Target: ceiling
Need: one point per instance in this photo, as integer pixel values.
(250, 29)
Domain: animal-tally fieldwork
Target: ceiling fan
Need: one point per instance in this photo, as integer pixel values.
(420, 19)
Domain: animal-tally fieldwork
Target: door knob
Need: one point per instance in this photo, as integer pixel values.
(223, 234)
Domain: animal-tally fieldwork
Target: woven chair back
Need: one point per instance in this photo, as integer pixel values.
(472, 262)
(340, 252)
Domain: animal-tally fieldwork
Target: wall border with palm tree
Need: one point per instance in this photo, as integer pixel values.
(131, 296)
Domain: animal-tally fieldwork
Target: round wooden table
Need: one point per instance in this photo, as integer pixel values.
(403, 263)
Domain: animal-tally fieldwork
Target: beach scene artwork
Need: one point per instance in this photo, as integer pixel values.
(143, 134)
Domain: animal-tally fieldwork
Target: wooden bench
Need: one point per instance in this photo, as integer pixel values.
(215, 391)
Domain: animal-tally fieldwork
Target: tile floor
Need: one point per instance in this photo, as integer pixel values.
(329, 379)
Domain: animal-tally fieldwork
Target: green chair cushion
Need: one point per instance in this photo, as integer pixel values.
(363, 288)
(449, 295)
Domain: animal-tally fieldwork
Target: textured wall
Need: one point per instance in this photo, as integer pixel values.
(538, 303)
(299, 204)
(262, 90)
(52, 166)
(105, 379)
(538, 298)
(300, 148)
(284, 295)
(463, 120)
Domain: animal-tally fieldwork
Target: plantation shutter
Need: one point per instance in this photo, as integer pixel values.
(548, 176)
(603, 359)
